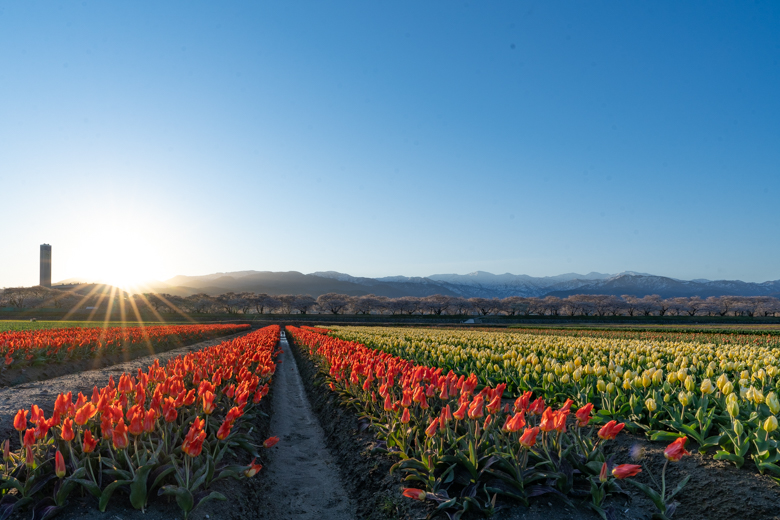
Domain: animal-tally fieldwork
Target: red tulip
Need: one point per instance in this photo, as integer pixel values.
(430, 431)
(528, 438)
(537, 407)
(475, 409)
(583, 415)
(253, 468)
(149, 419)
(494, 405)
(460, 413)
(29, 437)
(85, 413)
(20, 421)
(559, 420)
(224, 430)
(59, 465)
(193, 441)
(89, 442)
(626, 470)
(416, 494)
(67, 430)
(676, 450)
(119, 435)
(136, 427)
(405, 416)
(603, 474)
(610, 430)
(547, 423)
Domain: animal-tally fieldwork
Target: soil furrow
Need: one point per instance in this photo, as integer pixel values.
(301, 476)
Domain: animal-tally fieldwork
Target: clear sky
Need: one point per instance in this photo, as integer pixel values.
(149, 139)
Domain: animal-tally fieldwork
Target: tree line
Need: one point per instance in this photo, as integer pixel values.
(576, 305)
(332, 303)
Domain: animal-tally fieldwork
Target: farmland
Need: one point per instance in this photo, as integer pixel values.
(418, 421)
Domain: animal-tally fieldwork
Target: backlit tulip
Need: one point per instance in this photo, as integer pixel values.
(547, 424)
(603, 474)
(405, 417)
(430, 431)
(460, 413)
(85, 413)
(67, 430)
(208, 403)
(89, 442)
(20, 420)
(119, 435)
(528, 438)
(29, 437)
(476, 408)
(626, 470)
(676, 450)
(59, 464)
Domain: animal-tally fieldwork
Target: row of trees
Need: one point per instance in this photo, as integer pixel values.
(331, 303)
(577, 305)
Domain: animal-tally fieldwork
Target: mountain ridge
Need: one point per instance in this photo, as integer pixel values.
(476, 284)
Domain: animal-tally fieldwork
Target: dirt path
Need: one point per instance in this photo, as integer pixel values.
(303, 479)
(43, 393)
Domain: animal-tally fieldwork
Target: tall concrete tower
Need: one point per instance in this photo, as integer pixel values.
(45, 265)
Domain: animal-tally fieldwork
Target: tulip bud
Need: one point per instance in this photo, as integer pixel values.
(667, 398)
(7, 450)
(603, 476)
(59, 464)
(727, 388)
(738, 428)
(772, 402)
(651, 406)
(565, 379)
(770, 424)
(601, 386)
(683, 397)
(611, 388)
(690, 383)
(733, 408)
(722, 380)
(707, 387)
(577, 375)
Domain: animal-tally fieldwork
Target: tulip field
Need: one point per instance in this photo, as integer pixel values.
(460, 447)
(167, 430)
(722, 396)
(469, 422)
(25, 347)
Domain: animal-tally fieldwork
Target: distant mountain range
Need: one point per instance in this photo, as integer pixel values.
(476, 284)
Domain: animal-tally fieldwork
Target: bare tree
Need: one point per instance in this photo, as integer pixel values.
(333, 303)
(364, 304)
(436, 304)
(303, 303)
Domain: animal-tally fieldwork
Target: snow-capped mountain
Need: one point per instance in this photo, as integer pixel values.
(476, 284)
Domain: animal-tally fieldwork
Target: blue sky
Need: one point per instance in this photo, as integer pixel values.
(154, 139)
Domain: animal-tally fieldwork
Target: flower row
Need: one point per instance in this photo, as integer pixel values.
(169, 428)
(25, 347)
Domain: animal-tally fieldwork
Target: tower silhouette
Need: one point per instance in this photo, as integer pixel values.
(45, 265)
